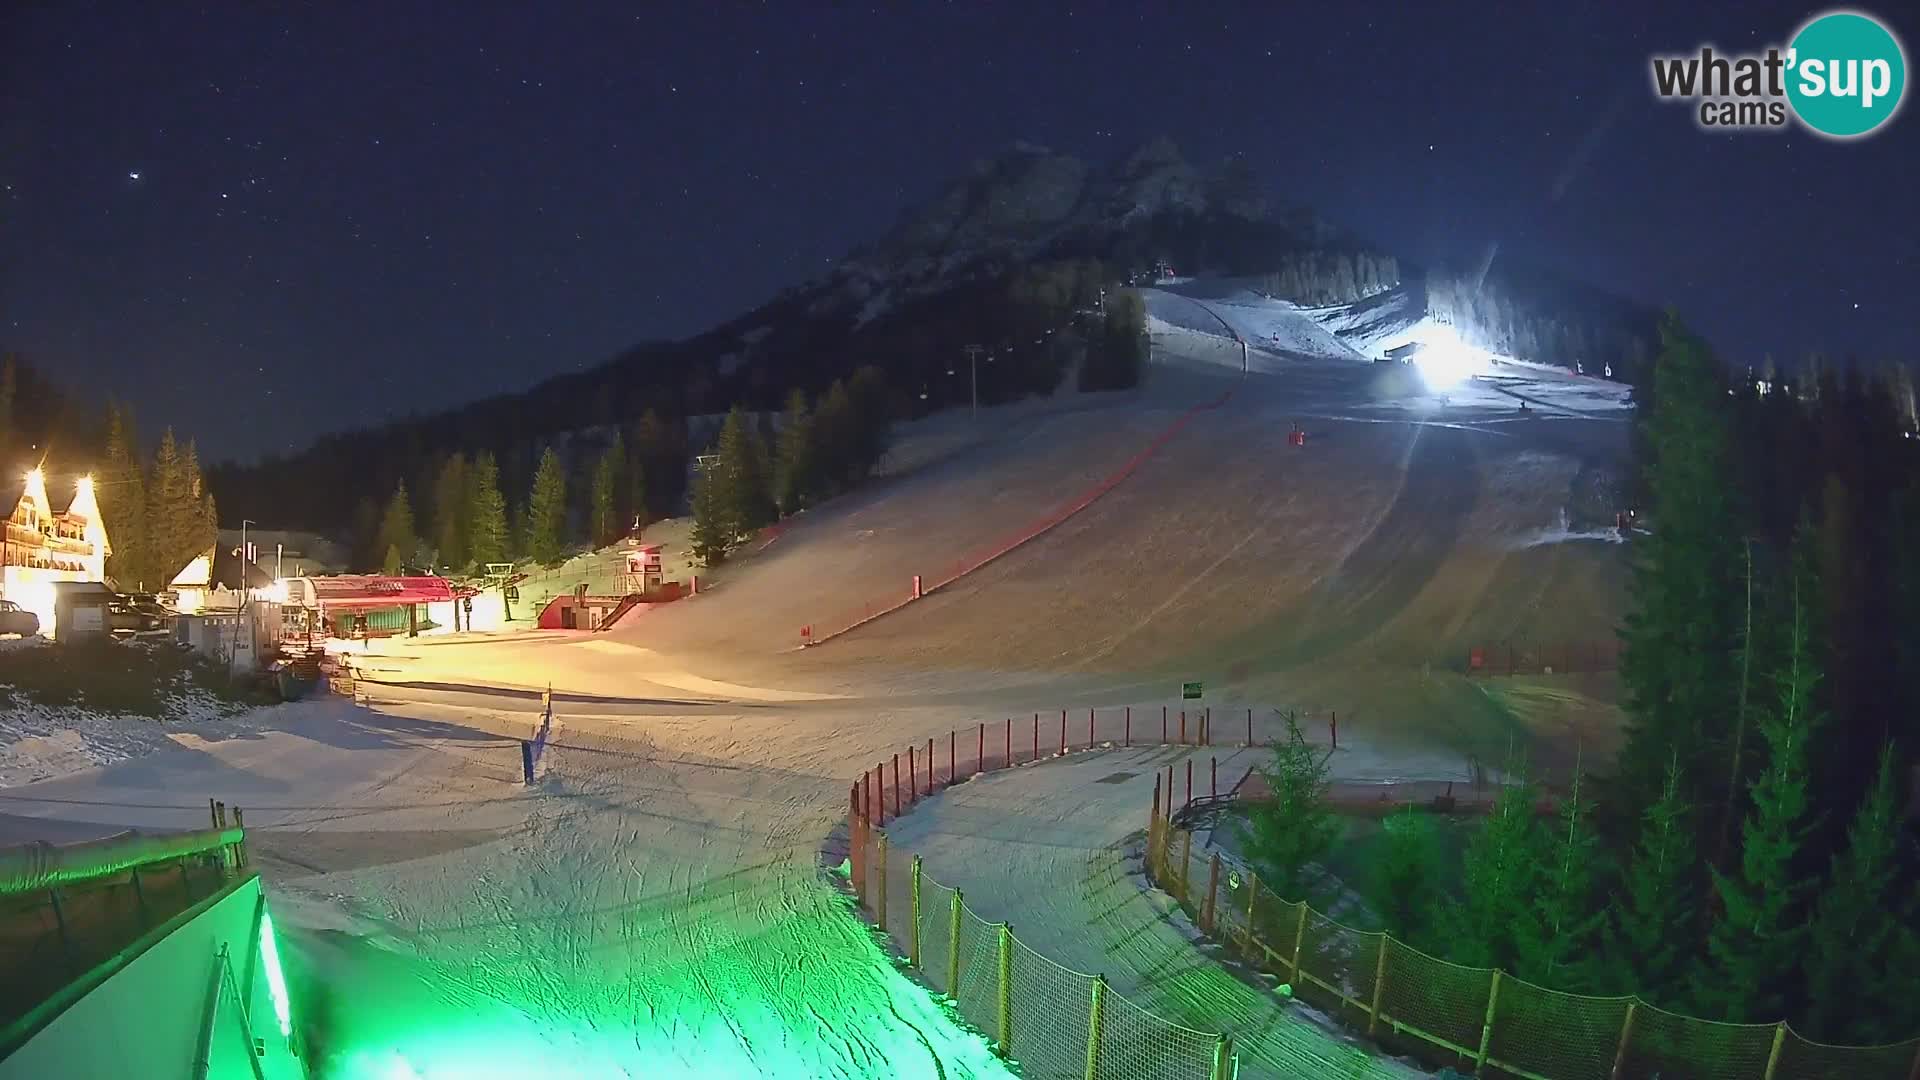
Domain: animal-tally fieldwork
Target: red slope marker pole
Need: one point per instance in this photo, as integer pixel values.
(913, 778)
(929, 766)
(896, 785)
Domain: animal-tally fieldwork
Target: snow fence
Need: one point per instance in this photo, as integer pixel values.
(1475, 1018)
(1052, 1020)
(1049, 1019)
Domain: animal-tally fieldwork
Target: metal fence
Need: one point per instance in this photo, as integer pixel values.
(1480, 1018)
(1051, 1020)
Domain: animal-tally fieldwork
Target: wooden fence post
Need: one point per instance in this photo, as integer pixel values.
(1089, 728)
(1626, 1039)
(1253, 896)
(1186, 867)
(954, 912)
(1486, 1026)
(1004, 1014)
(1222, 1059)
(896, 785)
(1183, 727)
(1249, 727)
(1379, 984)
(1095, 1010)
(1063, 731)
(1213, 892)
(880, 864)
(913, 932)
(1213, 777)
(1773, 1055)
(1036, 738)
(913, 778)
(1126, 734)
(1299, 939)
(929, 766)
(953, 758)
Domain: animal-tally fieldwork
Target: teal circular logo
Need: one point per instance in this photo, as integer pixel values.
(1846, 74)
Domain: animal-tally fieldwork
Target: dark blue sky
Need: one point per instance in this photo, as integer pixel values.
(347, 211)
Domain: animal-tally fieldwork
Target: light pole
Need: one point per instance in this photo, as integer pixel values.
(246, 594)
(973, 374)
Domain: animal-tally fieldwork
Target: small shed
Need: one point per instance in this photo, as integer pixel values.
(80, 610)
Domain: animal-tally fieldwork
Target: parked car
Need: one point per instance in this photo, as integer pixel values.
(15, 619)
(138, 615)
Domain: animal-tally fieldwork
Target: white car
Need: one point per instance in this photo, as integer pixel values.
(15, 619)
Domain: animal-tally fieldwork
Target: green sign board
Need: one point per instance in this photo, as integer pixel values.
(1189, 691)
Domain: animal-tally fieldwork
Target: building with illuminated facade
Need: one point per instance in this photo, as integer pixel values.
(41, 545)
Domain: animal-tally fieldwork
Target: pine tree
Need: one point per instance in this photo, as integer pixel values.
(122, 495)
(171, 513)
(714, 527)
(1502, 862)
(1752, 949)
(1404, 889)
(397, 537)
(486, 512)
(748, 503)
(872, 434)
(451, 498)
(1857, 929)
(1294, 827)
(833, 439)
(609, 483)
(796, 460)
(1679, 640)
(547, 510)
(1652, 918)
(1558, 944)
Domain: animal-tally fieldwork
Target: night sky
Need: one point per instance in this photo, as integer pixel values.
(260, 222)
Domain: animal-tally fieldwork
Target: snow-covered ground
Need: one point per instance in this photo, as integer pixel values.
(653, 904)
(38, 742)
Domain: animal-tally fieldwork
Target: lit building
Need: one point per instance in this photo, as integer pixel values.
(41, 546)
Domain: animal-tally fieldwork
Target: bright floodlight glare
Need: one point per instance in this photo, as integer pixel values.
(1444, 361)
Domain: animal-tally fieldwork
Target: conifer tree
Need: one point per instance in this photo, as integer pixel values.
(450, 510)
(1558, 944)
(171, 513)
(1751, 950)
(1679, 639)
(609, 486)
(1404, 887)
(714, 527)
(486, 512)
(834, 438)
(744, 487)
(1501, 865)
(397, 537)
(1859, 921)
(1294, 827)
(795, 482)
(1650, 926)
(122, 495)
(547, 510)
